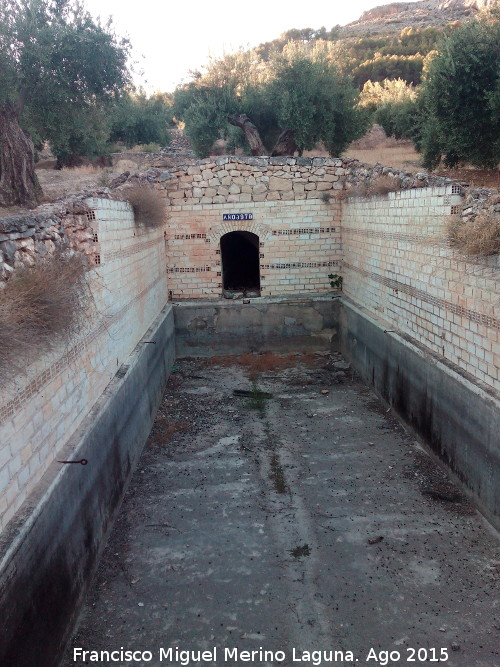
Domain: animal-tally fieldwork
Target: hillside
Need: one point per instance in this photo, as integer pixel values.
(387, 42)
(395, 16)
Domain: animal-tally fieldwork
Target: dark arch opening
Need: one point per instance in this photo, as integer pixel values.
(240, 262)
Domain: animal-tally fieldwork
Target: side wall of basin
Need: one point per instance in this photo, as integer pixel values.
(453, 414)
(47, 565)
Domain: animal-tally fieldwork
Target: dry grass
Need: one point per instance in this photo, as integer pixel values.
(383, 185)
(476, 178)
(40, 306)
(480, 236)
(403, 156)
(148, 206)
(60, 183)
(84, 169)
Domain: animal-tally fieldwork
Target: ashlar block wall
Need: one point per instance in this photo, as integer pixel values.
(41, 409)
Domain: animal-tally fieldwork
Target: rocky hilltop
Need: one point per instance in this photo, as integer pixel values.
(398, 15)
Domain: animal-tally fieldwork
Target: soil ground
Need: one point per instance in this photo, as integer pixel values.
(57, 183)
(308, 520)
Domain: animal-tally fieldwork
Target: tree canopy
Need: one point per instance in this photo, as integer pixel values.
(290, 104)
(138, 119)
(461, 96)
(56, 61)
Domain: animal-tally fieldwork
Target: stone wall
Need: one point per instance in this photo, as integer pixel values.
(295, 212)
(38, 234)
(390, 249)
(295, 205)
(398, 265)
(42, 408)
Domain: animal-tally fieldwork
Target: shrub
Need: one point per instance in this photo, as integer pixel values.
(461, 94)
(384, 184)
(400, 119)
(150, 148)
(148, 206)
(40, 306)
(480, 236)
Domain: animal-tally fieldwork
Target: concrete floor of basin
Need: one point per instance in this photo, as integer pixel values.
(307, 521)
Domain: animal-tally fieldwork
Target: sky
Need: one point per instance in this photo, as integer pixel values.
(169, 38)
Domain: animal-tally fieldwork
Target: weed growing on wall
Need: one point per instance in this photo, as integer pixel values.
(41, 306)
(473, 238)
(148, 206)
(383, 185)
(335, 280)
(104, 178)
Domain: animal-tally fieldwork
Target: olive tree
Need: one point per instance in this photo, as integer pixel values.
(55, 60)
(461, 97)
(289, 105)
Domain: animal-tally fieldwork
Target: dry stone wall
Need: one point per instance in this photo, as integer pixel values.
(231, 180)
(25, 237)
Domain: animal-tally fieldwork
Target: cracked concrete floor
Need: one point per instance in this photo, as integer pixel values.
(308, 521)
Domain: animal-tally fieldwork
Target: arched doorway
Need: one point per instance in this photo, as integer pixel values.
(240, 262)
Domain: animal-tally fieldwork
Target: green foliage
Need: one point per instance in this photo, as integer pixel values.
(204, 124)
(315, 101)
(138, 119)
(400, 119)
(301, 90)
(204, 110)
(257, 398)
(58, 68)
(53, 48)
(461, 97)
(393, 105)
(410, 42)
(389, 91)
(382, 67)
(376, 58)
(268, 50)
(83, 133)
(300, 81)
(335, 280)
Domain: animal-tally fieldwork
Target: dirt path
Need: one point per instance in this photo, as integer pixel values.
(308, 521)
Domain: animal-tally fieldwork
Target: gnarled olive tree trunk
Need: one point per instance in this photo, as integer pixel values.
(285, 145)
(18, 181)
(252, 135)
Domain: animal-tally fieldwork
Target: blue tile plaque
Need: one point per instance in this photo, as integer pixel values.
(237, 216)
